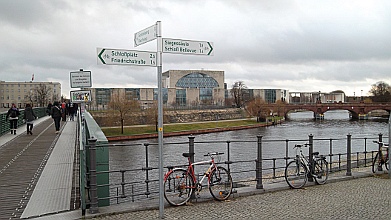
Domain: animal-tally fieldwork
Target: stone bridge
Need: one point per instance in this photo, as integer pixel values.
(357, 110)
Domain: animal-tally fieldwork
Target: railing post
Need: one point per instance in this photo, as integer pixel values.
(191, 151)
(191, 148)
(259, 163)
(93, 181)
(228, 162)
(379, 168)
(349, 156)
(147, 168)
(311, 159)
(331, 156)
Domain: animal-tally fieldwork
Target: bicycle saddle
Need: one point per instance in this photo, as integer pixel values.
(188, 154)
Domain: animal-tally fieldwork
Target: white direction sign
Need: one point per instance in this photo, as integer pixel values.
(126, 57)
(187, 47)
(145, 35)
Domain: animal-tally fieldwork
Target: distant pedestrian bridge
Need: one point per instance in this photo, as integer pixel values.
(357, 110)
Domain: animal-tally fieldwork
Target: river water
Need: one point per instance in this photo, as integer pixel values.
(336, 125)
(277, 142)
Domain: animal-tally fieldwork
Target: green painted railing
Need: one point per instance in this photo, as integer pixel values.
(91, 132)
(5, 125)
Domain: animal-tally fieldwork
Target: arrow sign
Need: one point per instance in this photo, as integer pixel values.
(145, 35)
(126, 57)
(187, 47)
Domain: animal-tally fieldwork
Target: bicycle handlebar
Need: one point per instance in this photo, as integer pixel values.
(382, 143)
(301, 145)
(213, 154)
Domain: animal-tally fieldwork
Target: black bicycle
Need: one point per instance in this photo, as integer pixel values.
(298, 170)
(381, 158)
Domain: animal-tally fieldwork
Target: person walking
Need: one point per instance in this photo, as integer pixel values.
(56, 115)
(12, 115)
(49, 108)
(29, 116)
(71, 111)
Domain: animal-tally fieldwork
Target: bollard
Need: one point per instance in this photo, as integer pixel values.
(349, 156)
(259, 164)
(311, 157)
(93, 182)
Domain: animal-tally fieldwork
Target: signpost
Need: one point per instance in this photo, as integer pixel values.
(146, 35)
(145, 58)
(187, 47)
(126, 57)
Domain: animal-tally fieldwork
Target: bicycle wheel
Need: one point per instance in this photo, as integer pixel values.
(178, 187)
(386, 163)
(376, 164)
(296, 174)
(220, 184)
(321, 171)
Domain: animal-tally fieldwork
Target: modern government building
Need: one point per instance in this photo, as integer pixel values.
(190, 88)
(181, 88)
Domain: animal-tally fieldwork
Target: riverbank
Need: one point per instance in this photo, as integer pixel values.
(202, 128)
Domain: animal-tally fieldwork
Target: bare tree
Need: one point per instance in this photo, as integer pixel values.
(121, 107)
(43, 92)
(381, 92)
(238, 92)
(39, 96)
(151, 115)
(258, 108)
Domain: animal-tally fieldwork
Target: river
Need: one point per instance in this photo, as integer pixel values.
(243, 145)
(336, 125)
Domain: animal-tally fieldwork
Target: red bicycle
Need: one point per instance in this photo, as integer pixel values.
(180, 183)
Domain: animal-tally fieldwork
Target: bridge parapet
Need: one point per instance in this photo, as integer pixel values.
(356, 109)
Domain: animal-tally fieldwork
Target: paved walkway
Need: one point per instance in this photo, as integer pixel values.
(36, 174)
(359, 198)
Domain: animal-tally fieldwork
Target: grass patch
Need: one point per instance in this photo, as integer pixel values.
(151, 129)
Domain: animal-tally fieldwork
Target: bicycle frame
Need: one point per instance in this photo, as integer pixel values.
(190, 170)
(300, 157)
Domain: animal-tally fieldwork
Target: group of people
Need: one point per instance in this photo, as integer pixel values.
(56, 110)
(13, 116)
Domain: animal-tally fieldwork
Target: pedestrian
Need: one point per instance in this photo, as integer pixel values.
(64, 111)
(56, 115)
(49, 108)
(29, 116)
(71, 111)
(12, 116)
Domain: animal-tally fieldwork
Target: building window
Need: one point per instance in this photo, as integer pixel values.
(132, 94)
(181, 97)
(270, 95)
(102, 96)
(206, 94)
(197, 80)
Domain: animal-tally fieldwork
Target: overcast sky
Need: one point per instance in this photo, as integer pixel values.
(294, 45)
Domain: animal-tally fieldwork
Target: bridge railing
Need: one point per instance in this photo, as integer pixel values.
(134, 167)
(5, 125)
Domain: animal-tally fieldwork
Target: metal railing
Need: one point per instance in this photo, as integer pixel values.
(253, 164)
(5, 125)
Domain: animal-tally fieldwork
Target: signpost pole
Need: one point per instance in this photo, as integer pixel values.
(160, 116)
